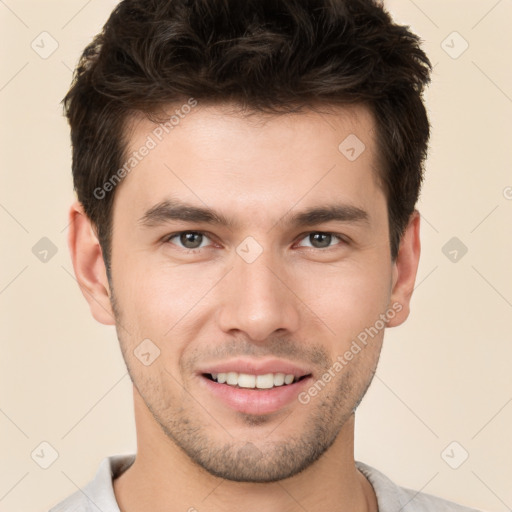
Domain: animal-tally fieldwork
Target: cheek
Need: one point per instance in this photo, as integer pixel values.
(348, 298)
(157, 299)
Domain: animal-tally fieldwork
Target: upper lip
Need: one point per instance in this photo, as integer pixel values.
(257, 367)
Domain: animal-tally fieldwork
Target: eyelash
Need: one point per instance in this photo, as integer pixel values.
(167, 239)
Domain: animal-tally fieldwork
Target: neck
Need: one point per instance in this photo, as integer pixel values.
(163, 478)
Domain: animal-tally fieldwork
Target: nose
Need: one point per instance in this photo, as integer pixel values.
(258, 299)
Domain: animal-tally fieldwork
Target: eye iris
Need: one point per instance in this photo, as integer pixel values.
(190, 240)
(323, 238)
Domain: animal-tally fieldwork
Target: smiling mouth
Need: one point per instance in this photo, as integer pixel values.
(256, 382)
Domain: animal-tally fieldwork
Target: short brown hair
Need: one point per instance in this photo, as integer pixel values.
(265, 55)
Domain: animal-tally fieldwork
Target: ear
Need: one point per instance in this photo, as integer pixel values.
(88, 264)
(404, 270)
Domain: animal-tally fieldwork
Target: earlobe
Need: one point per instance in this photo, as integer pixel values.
(404, 270)
(88, 265)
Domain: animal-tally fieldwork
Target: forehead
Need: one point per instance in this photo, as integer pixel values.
(257, 163)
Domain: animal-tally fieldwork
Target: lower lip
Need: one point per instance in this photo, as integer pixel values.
(255, 401)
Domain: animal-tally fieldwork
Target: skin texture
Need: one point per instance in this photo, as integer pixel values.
(297, 301)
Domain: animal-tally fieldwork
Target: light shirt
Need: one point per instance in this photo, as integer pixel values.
(98, 495)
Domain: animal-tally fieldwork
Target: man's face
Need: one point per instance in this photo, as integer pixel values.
(264, 294)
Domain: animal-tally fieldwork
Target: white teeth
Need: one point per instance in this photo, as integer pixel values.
(279, 379)
(246, 380)
(265, 381)
(232, 378)
(288, 379)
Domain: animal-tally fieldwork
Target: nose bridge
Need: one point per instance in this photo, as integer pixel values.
(258, 278)
(257, 301)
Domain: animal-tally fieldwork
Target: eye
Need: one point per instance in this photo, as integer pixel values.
(321, 240)
(194, 240)
(188, 239)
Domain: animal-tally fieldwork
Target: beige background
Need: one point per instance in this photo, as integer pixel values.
(444, 376)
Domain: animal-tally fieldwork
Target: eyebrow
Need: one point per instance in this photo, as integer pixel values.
(169, 210)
